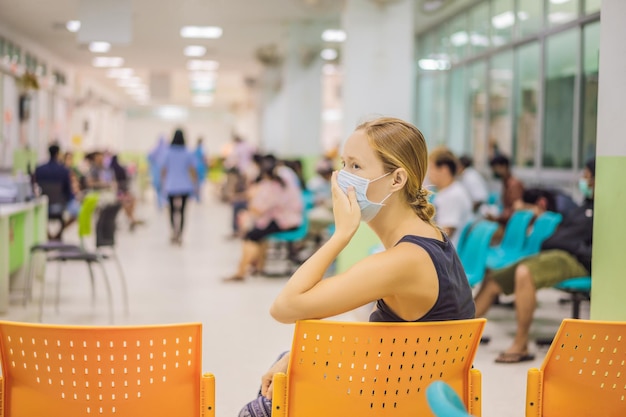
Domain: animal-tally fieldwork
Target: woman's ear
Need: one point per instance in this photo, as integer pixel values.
(399, 178)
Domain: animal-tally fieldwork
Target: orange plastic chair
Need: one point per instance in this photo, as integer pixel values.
(116, 371)
(340, 369)
(583, 374)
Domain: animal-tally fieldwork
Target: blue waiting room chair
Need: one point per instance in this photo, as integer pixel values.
(474, 251)
(543, 227)
(513, 239)
(444, 401)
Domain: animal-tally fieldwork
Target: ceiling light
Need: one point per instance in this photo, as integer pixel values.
(459, 38)
(107, 61)
(559, 1)
(202, 65)
(334, 35)
(203, 100)
(171, 113)
(433, 64)
(194, 50)
(99, 47)
(561, 17)
(503, 20)
(73, 25)
(202, 75)
(120, 73)
(201, 32)
(329, 54)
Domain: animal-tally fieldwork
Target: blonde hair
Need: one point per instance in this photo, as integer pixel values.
(399, 144)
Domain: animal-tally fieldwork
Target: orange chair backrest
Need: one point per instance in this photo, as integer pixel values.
(584, 372)
(130, 371)
(377, 369)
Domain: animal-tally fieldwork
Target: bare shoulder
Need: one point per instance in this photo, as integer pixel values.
(406, 261)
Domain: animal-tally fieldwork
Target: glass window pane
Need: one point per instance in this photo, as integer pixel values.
(502, 22)
(561, 58)
(530, 17)
(479, 28)
(562, 11)
(458, 112)
(477, 92)
(458, 38)
(589, 103)
(426, 45)
(425, 95)
(500, 103)
(440, 107)
(526, 94)
(592, 6)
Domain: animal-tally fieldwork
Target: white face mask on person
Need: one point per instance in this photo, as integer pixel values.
(369, 209)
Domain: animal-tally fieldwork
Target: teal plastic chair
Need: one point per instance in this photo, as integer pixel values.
(444, 402)
(463, 236)
(513, 240)
(473, 255)
(579, 288)
(543, 228)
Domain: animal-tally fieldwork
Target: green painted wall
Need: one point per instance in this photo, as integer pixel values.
(608, 291)
(359, 247)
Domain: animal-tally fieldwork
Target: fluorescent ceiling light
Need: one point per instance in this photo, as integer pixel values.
(428, 64)
(202, 65)
(329, 54)
(107, 61)
(201, 32)
(459, 38)
(561, 17)
(203, 85)
(73, 25)
(194, 50)
(120, 73)
(99, 47)
(171, 113)
(334, 35)
(559, 1)
(479, 40)
(503, 20)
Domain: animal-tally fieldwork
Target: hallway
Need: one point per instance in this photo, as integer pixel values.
(170, 284)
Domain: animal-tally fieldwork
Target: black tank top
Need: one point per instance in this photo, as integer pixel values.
(454, 301)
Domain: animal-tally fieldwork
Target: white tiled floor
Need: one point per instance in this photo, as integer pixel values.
(178, 284)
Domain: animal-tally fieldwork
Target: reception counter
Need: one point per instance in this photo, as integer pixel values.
(21, 226)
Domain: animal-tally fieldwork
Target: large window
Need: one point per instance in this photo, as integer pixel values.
(589, 104)
(518, 77)
(528, 58)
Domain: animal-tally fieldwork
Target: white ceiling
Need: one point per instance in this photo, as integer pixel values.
(157, 46)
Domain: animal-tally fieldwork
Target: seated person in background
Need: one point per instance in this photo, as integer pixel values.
(418, 277)
(536, 200)
(564, 255)
(76, 177)
(512, 188)
(473, 182)
(273, 206)
(321, 215)
(124, 195)
(452, 202)
(54, 178)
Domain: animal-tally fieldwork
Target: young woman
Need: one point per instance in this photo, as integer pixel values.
(417, 278)
(179, 181)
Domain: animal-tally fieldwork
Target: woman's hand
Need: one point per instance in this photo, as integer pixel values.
(345, 209)
(267, 389)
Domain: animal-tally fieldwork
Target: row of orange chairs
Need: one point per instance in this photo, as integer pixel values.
(336, 369)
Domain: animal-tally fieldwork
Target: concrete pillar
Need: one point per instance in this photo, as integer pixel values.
(292, 97)
(378, 61)
(609, 262)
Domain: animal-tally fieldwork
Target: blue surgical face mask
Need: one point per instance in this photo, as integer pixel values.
(369, 209)
(585, 189)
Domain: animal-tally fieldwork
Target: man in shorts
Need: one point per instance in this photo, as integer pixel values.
(566, 254)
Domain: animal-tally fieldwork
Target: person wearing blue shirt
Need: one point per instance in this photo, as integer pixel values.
(179, 181)
(201, 165)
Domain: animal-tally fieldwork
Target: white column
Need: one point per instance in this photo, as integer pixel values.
(377, 58)
(292, 102)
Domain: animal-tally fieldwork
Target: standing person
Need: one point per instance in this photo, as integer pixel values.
(418, 277)
(180, 180)
(124, 195)
(155, 162)
(202, 165)
(473, 182)
(452, 201)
